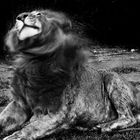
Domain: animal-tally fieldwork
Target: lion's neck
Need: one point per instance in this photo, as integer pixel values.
(42, 68)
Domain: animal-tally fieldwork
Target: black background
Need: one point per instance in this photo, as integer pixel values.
(110, 22)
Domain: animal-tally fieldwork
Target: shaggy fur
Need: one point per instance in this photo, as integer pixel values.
(54, 86)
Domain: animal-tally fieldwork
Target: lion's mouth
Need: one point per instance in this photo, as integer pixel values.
(27, 28)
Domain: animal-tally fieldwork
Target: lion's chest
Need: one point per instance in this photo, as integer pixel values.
(39, 88)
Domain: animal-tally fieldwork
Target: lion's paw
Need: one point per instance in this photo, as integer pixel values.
(104, 127)
(15, 136)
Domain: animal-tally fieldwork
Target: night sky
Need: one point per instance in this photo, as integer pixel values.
(110, 22)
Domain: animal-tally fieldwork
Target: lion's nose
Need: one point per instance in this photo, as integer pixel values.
(22, 16)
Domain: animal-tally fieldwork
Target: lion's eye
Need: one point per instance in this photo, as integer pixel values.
(38, 14)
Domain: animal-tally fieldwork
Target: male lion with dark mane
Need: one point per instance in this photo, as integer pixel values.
(55, 87)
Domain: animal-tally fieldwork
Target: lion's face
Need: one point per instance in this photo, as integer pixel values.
(33, 30)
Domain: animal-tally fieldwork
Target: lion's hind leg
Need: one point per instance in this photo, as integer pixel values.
(121, 96)
(12, 117)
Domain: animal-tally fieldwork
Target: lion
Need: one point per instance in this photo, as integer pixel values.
(55, 87)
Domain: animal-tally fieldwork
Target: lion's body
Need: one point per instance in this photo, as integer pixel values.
(88, 88)
(86, 95)
(55, 87)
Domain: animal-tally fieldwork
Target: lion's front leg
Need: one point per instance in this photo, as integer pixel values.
(39, 127)
(12, 117)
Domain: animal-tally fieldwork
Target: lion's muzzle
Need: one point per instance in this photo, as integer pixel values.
(28, 25)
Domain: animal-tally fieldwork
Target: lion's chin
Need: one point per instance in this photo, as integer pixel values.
(28, 32)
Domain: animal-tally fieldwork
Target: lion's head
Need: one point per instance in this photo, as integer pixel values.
(44, 32)
(33, 30)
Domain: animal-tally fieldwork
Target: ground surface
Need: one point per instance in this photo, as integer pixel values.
(124, 62)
